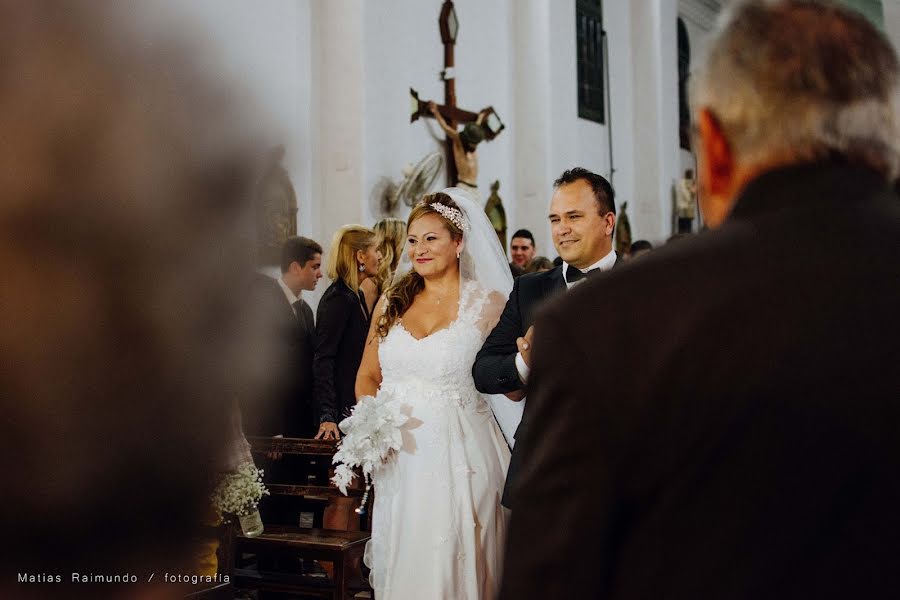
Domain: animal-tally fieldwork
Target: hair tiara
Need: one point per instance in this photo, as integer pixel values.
(454, 215)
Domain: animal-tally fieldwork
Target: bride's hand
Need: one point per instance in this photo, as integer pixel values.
(328, 431)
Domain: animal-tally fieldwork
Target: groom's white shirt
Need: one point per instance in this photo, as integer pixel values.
(604, 264)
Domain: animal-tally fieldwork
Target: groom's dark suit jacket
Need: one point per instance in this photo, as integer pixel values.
(495, 370)
(742, 440)
(495, 366)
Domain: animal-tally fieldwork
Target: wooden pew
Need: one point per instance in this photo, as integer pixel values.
(343, 549)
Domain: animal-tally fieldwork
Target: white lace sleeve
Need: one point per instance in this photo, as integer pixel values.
(490, 313)
(486, 309)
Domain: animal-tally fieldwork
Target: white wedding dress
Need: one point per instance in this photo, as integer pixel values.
(438, 529)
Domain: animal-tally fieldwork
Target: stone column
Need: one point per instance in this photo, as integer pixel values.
(337, 123)
(532, 114)
(655, 125)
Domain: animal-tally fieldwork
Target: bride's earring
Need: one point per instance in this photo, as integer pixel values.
(362, 267)
(457, 254)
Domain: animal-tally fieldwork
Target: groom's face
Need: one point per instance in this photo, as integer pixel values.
(431, 248)
(581, 235)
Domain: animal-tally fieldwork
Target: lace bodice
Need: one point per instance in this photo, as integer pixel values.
(439, 366)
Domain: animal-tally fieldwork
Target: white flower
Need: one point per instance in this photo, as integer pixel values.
(239, 492)
(372, 433)
(343, 475)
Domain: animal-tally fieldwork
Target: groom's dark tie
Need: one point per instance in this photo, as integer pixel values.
(573, 274)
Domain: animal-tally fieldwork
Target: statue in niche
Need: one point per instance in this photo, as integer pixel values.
(686, 203)
(276, 209)
(623, 232)
(497, 214)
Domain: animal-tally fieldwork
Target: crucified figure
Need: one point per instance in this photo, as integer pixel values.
(464, 143)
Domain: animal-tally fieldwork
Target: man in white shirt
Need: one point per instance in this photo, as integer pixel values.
(582, 219)
(522, 249)
(286, 407)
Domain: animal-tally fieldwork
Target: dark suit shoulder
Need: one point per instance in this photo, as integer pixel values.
(537, 280)
(534, 286)
(265, 293)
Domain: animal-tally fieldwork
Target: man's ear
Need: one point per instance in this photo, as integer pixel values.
(610, 220)
(718, 171)
(716, 164)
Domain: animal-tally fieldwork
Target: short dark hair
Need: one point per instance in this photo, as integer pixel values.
(641, 245)
(603, 190)
(523, 233)
(298, 249)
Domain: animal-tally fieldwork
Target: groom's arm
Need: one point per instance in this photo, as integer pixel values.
(495, 369)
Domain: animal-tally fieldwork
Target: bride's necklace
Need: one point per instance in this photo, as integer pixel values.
(438, 297)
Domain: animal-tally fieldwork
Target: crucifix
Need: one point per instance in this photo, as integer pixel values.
(462, 168)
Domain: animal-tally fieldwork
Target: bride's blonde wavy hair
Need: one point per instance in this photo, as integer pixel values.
(401, 295)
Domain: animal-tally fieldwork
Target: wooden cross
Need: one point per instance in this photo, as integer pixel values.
(453, 115)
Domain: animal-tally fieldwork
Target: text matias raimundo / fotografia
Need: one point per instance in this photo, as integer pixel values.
(121, 578)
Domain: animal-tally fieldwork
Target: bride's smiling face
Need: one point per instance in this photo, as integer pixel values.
(431, 248)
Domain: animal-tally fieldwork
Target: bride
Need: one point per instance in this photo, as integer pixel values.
(438, 529)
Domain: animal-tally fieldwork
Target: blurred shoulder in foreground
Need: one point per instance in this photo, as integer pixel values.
(122, 190)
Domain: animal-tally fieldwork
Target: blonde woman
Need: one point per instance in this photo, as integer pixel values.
(391, 239)
(342, 321)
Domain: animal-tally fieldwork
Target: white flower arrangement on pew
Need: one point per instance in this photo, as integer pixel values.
(238, 493)
(371, 434)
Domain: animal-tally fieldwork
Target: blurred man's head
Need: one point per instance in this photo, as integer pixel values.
(792, 81)
(582, 217)
(521, 248)
(640, 247)
(121, 198)
(301, 264)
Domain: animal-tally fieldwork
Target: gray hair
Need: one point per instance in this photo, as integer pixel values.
(792, 80)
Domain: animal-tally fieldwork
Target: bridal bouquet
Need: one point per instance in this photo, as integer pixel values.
(372, 433)
(238, 493)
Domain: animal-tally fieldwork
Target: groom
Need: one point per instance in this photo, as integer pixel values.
(582, 220)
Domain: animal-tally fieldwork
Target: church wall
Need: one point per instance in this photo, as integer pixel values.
(533, 94)
(331, 78)
(655, 125)
(338, 115)
(265, 56)
(626, 164)
(403, 49)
